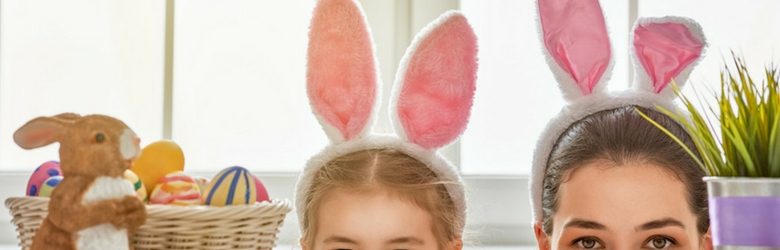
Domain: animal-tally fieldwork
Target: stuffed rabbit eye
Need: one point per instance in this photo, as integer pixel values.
(100, 137)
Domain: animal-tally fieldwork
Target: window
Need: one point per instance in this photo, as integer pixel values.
(239, 86)
(516, 92)
(749, 30)
(238, 91)
(79, 56)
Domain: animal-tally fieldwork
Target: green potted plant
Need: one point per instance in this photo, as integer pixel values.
(738, 144)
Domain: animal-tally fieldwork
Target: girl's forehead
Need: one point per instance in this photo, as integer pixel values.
(370, 218)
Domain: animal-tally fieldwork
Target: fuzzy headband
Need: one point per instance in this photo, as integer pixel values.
(579, 54)
(432, 95)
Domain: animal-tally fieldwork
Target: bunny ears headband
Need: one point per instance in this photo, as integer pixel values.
(579, 54)
(431, 103)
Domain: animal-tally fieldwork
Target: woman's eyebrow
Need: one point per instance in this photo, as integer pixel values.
(408, 240)
(587, 224)
(665, 222)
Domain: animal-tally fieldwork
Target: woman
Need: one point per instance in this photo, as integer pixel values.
(615, 181)
(603, 176)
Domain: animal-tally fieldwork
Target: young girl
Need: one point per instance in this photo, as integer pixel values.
(603, 176)
(368, 191)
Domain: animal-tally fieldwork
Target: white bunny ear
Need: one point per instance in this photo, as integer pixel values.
(665, 49)
(577, 45)
(341, 69)
(435, 83)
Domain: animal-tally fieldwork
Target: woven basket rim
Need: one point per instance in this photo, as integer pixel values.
(164, 224)
(275, 204)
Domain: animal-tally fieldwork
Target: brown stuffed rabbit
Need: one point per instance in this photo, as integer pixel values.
(93, 207)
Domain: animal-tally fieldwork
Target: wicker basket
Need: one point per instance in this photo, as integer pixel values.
(173, 227)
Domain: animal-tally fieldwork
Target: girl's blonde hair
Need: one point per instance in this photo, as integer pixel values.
(387, 170)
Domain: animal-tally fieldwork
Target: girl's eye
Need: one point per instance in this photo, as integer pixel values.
(589, 243)
(659, 242)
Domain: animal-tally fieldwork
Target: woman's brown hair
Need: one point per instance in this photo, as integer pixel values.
(621, 135)
(386, 170)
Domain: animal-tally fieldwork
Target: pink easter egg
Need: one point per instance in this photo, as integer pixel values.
(44, 171)
(262, 193)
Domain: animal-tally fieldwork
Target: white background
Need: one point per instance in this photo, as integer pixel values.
(237, 92)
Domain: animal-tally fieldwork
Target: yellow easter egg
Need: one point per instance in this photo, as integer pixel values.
(157, 160)
(232, 186)
(138, 185)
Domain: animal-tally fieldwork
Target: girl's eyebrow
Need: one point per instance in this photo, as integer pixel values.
(408, 240)
(665, 222)
(339, 239)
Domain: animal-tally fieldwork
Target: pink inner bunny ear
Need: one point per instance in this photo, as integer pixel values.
(38, 132)
(575, 36)
(341, 69)
(436, 82)
(666, 48)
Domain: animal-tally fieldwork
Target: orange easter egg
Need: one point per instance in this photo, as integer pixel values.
(157, 160)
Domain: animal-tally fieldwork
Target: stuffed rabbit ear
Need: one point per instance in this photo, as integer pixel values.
(575, 37)
(341, 70)
(435, 83)
(39, 132)
(665, 49)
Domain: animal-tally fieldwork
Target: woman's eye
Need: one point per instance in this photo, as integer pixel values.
(659, 242)
(589, 243)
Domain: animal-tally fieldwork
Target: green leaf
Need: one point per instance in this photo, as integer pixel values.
(747, 115)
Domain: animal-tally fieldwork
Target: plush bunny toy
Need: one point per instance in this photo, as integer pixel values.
(578, 51)
(93, 207)
(431, 102)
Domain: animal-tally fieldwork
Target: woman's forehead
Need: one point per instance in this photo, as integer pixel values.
(632, 193)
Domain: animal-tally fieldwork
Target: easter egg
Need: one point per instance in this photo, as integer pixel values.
(262, 193)
(157, 160)
(49, 185)
(231, 186)
(138, 185)
(176, 189)
(43, 172)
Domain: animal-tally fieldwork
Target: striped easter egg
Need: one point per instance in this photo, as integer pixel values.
(140, 189)
(176, 189)
(232, 186)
